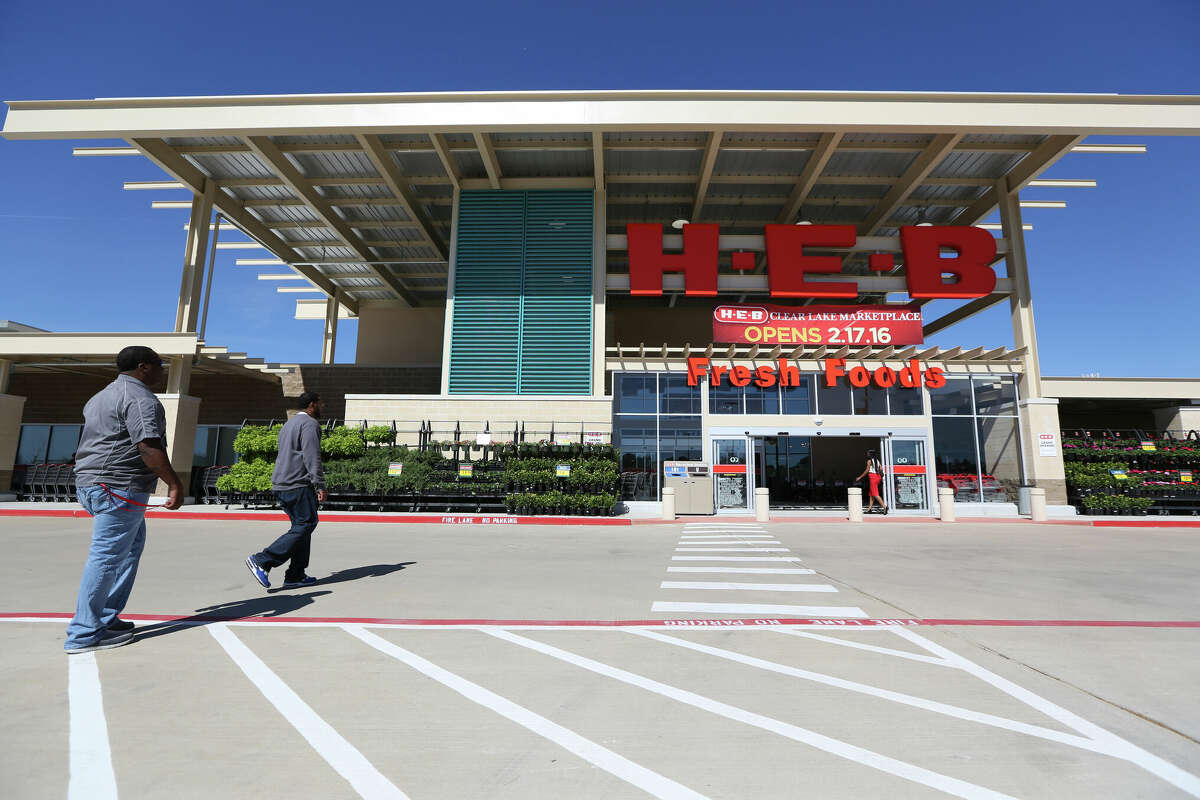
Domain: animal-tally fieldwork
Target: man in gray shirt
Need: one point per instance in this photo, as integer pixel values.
(299, 483)
(122, 454)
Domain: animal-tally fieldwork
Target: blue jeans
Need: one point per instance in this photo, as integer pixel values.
(293, 547)
(118, 537)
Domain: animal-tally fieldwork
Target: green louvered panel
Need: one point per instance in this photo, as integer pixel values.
(556, 304)
(485, 333)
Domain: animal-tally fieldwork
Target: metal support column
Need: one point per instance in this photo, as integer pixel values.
(5, 373)
(194, 255)
(333, 308)
(1041, 443)
(212, 262)
(448, 330)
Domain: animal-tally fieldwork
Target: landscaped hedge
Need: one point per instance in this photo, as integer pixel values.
(1152, 480)
(524, 476)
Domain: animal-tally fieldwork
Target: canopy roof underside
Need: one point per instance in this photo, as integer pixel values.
(356, 192)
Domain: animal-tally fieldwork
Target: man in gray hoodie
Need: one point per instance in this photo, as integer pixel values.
(299, 482)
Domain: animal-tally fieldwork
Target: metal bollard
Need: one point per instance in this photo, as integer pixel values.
(946, 501)
(762, 505)
(1037, 504)
(854, 496)
(668, 512)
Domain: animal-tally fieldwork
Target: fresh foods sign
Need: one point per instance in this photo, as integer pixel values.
(836, 325)
(790, 267)
(784, 373)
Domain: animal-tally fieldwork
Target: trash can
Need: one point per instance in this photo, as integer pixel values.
(1024, 504)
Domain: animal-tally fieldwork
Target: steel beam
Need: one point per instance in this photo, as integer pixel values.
(231, 208)
(271, 155)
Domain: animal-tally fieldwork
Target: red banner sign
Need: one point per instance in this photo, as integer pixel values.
(831, 325)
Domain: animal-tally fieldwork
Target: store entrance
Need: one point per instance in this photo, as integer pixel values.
(810, 472)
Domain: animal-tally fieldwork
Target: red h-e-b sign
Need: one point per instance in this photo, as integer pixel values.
(788, 266)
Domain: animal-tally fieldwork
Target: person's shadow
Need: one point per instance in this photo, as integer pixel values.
(353, 574)
(274, 604)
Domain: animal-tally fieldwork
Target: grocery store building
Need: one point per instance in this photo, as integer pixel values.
(744, 279)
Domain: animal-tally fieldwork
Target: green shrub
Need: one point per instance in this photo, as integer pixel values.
(247, 476)
(342, 442)
(257, 441)
(378, 434)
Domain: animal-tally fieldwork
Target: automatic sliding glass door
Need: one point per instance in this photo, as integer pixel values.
(730, 474)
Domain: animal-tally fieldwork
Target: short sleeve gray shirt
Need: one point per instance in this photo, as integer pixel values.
(115, 420)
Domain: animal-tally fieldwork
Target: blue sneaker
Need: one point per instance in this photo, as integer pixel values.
(258, 572)
(307, 580)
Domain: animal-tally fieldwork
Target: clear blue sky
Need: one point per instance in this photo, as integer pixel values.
(1115, 275)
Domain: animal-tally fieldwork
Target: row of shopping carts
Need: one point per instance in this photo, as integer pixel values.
(971, 488)
(48, 483)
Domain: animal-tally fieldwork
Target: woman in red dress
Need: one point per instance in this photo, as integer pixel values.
(874, 474)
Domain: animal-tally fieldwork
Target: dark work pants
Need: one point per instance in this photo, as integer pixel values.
(301, 507)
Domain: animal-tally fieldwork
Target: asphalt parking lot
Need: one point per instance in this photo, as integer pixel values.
(698, 659)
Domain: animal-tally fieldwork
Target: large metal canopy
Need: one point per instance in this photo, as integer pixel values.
(355, 192)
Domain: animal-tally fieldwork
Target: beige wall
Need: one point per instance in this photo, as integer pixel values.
(398, 336)
(10, 432)
(1181, 418)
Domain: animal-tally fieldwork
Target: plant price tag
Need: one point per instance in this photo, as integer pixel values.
(593, 437)
(1185, 476)
(1119, 474)
(395, 469)
(466, 470)
(562, 471)
(484, 439)
(1149, 447)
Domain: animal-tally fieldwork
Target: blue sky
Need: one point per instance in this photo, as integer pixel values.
(1115, 274)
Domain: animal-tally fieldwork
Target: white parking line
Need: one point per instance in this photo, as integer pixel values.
(329, 744)
(749, 587)
(756, 609)
(731, 549)
(828, 744)
(747, 570)
(1106, 742)
(91, 769)
(874, 691)
(693, 543)
(887, 651)
(726, 536)
(736, 558)
(612, 763)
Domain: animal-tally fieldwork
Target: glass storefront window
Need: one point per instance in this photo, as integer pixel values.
(679, 439)
(724, 399)
(762, 401)
(31, 449)
(957, 459)
(999, 451)
(833, 399)
(869, 400)
(637, 439)
(954, 398)
(636, 393)
(798, 399)
(995, 396)
(905, 401)
(677, 396)
(64, 441)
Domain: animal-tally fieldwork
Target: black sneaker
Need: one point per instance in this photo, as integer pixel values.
(119, 625)
(258, 572)
(307, 580)
(106, 642)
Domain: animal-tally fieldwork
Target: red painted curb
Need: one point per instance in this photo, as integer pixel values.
(243, 516)
(668, 623)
